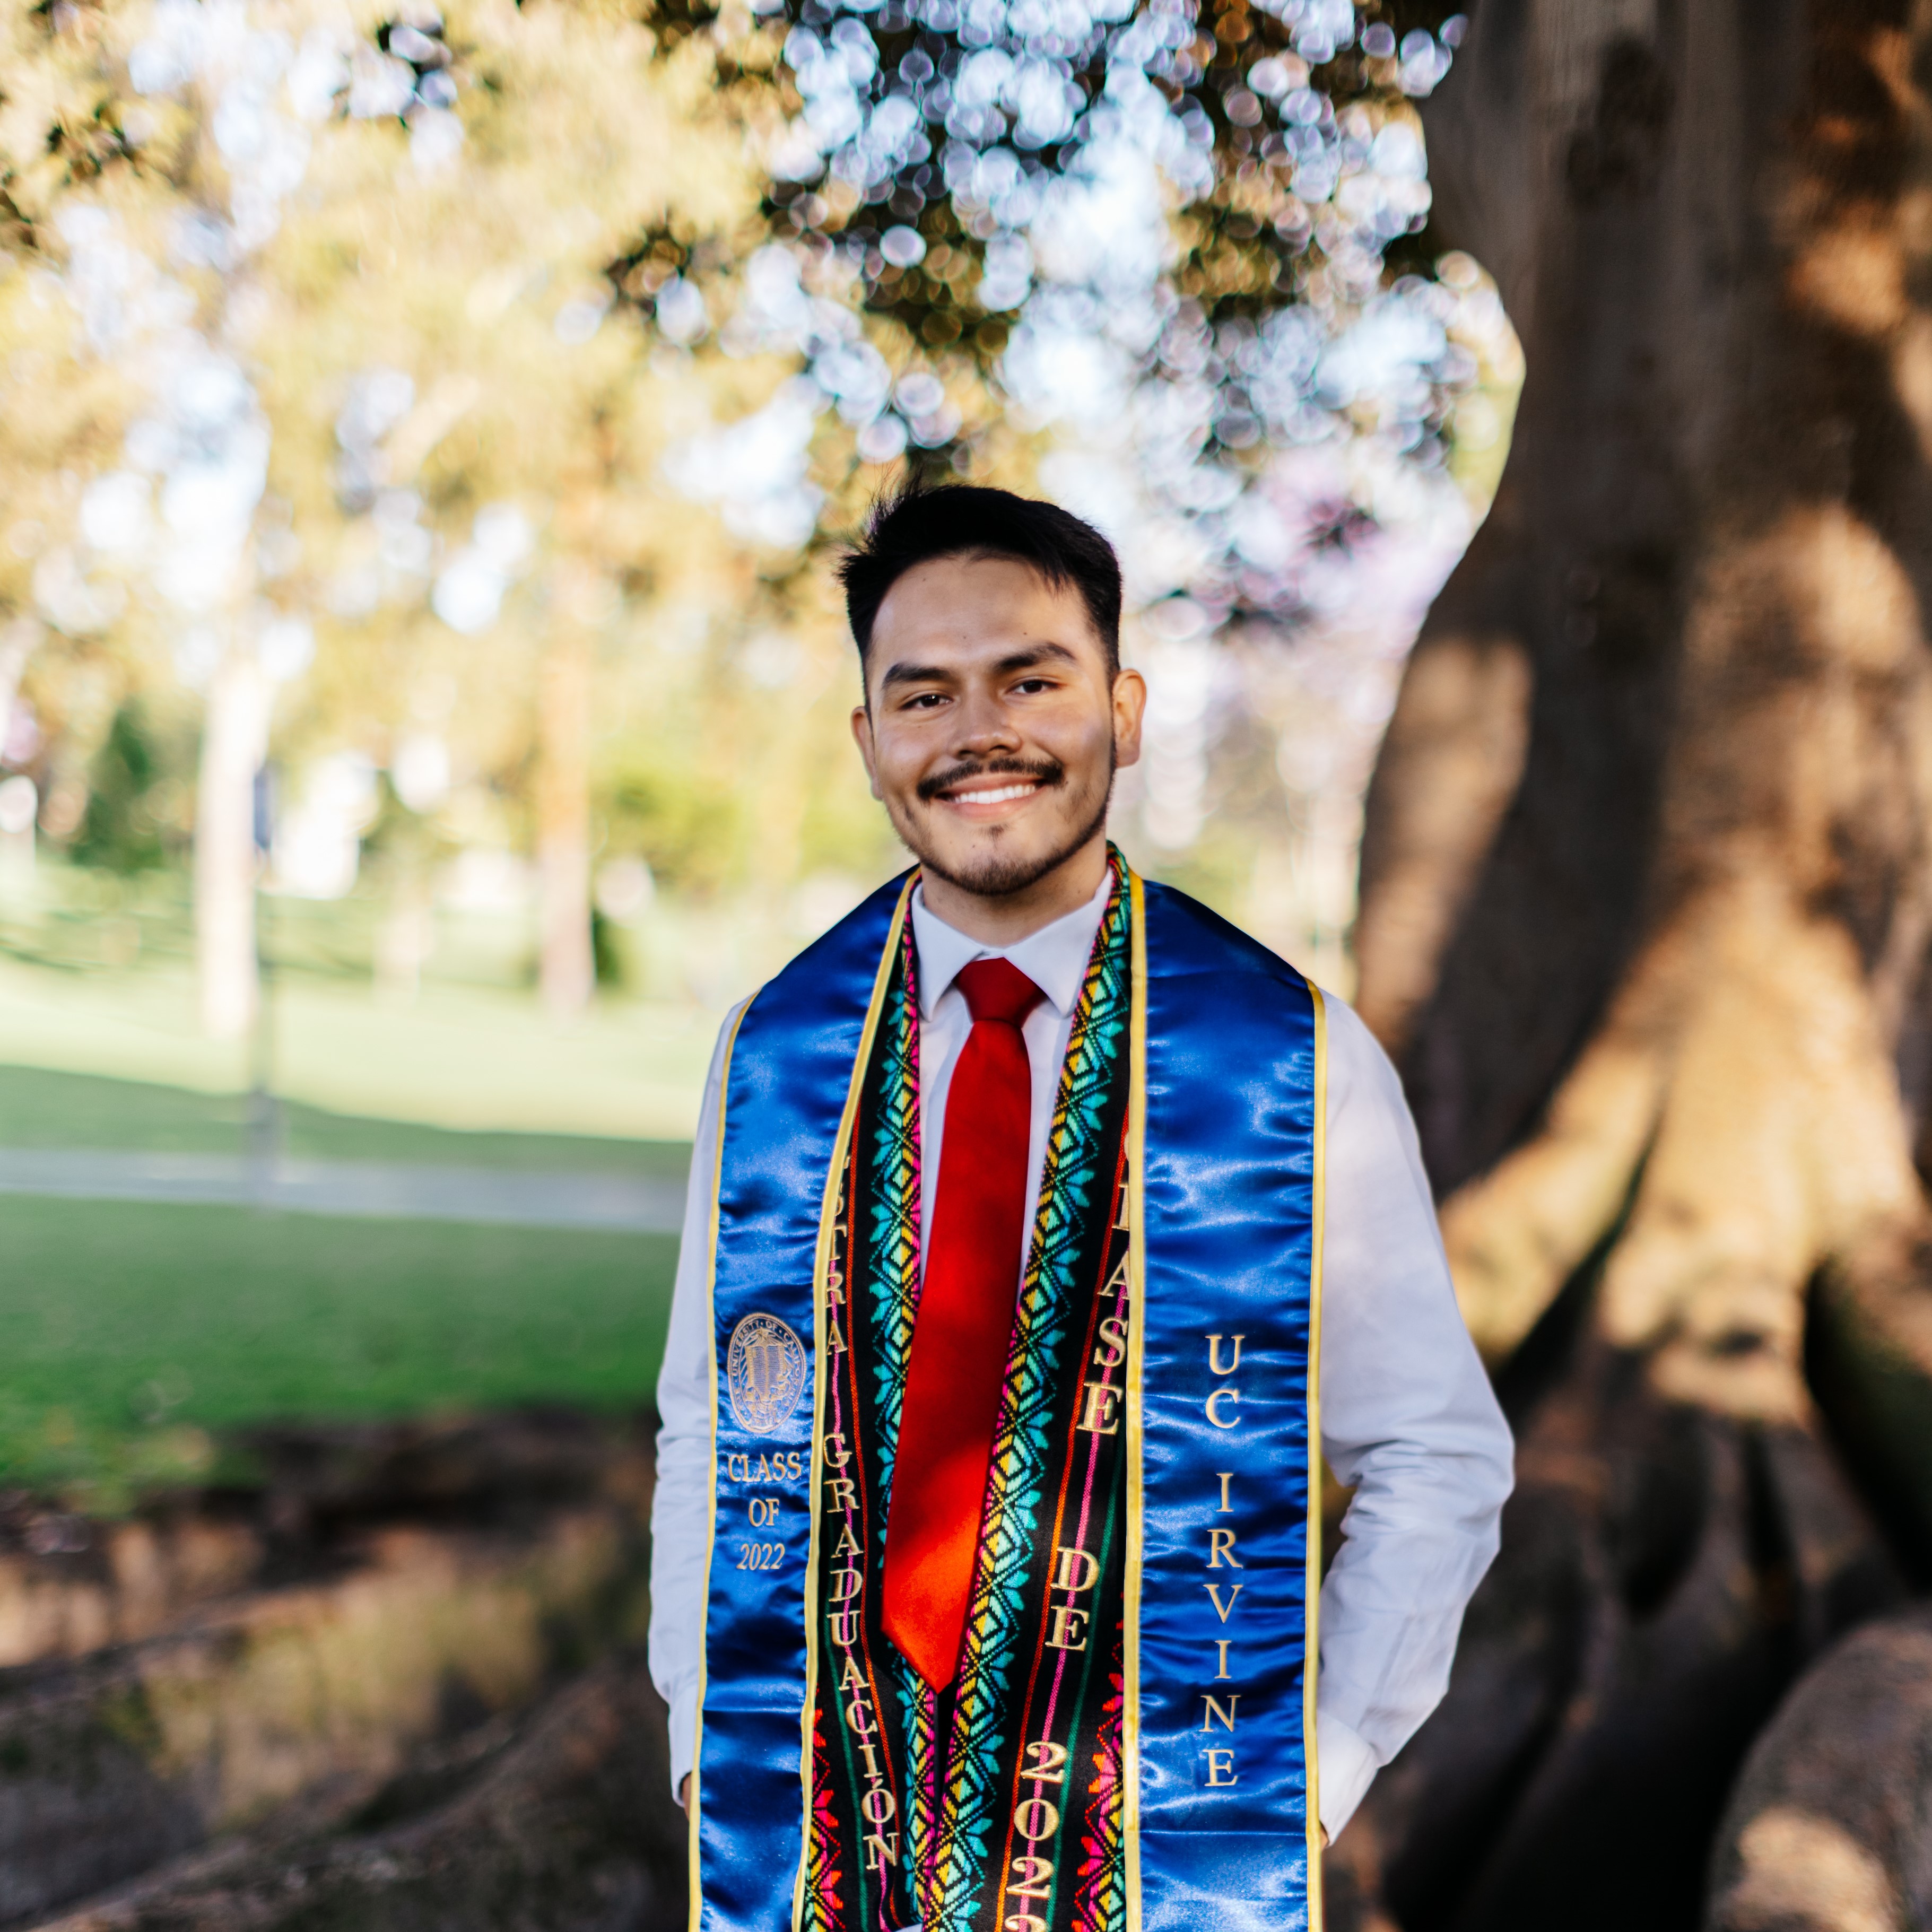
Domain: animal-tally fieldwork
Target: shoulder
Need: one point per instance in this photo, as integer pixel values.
(1366, 1101)
(1349, 1034)
(1356, 1060)
(714, 1076)
(726, 1029)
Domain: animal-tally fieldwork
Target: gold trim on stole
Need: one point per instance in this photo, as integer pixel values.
(692, 1806)
(1311, 1653)
(1130, 1647)
(828, 1215)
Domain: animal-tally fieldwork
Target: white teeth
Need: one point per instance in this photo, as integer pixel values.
(998, 795)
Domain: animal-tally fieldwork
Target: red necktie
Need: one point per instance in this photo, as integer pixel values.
(964, 1326)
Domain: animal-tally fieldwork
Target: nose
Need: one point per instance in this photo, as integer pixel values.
(982, 726)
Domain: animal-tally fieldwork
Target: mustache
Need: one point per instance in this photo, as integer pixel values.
(1047, 771)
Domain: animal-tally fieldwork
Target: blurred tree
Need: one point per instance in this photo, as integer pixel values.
(347, 372)
(106, 195)
(402, 395)
(117, 833)
(1645, 918)
(1160, 217)
(447, 369)
(62, 404)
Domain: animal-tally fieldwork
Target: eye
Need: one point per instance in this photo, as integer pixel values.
(924, 701)
(1030, 687)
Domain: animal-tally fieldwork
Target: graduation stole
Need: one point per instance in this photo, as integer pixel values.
(1129, 1740)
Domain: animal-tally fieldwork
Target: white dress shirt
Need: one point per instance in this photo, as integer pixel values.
(1407, 1416)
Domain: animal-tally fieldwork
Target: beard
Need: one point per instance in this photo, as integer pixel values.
(998, 875)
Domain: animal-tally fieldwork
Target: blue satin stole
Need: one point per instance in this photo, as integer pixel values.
(1223, 1563)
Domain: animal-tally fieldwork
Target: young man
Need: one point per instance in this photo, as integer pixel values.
(1040, 1225)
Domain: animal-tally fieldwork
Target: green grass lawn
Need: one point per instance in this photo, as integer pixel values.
(459, 1057)
(131, 1335)
(43, 1109)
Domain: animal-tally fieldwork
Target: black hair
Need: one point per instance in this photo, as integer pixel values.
(915, 523)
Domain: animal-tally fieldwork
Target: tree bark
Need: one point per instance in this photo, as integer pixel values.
(1645, 908)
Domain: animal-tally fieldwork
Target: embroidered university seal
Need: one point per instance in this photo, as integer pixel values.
(764, 1369)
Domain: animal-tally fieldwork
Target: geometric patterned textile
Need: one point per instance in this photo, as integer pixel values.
(994, 1804)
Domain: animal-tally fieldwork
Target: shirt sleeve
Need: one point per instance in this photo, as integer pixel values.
(681, 1504)
(1409, 1419)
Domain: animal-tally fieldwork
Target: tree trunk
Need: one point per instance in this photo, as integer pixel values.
(566, 968)
(234, 741)
(19, 810)
(18, 640)
(1646, 901)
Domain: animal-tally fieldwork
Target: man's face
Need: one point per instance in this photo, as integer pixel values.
(991, 728)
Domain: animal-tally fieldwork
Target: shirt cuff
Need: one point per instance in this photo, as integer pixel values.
(684, 1736)
(1345, 1769)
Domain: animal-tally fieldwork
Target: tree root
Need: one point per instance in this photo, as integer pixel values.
(1869, 1362)
(404, 1586)
(570, 1827)
(1830, 1829)
(114, 1763)
(1736, 1123)
(1665, 1572)
(1704, 1281)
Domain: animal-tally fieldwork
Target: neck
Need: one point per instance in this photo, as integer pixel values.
(1004, 919)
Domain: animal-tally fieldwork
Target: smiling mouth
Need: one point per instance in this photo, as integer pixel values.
(986, 789)
(990, 794)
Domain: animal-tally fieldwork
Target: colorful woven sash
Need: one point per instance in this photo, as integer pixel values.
(1129, 1740)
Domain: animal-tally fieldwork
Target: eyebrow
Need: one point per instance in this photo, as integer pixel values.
(1034, 654)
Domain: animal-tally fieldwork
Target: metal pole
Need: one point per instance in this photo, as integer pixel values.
(265, 1112)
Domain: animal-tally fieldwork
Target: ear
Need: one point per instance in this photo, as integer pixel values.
(861, 736)
(1130, 708)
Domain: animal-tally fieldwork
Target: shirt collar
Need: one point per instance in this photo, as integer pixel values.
(1054, 958)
